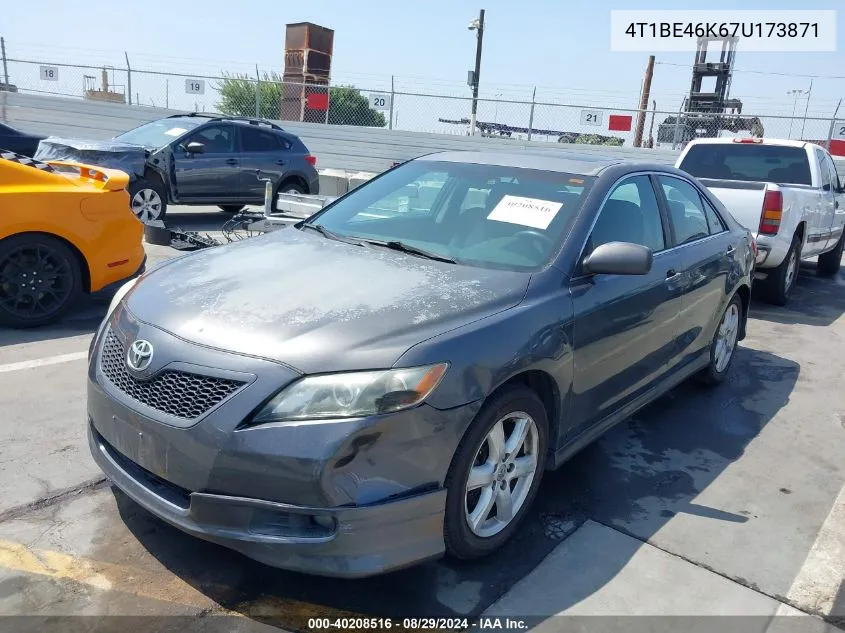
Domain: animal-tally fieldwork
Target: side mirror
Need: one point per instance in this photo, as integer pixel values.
(195, 148)
(619, 258)
(826, 187)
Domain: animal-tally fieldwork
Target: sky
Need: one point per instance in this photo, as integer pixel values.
(561, 48)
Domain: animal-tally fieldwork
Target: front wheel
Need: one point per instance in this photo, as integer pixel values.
(724, 342)
(495, 473)
(147, 200)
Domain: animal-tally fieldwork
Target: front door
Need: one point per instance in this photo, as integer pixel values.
(212, 174)
(625, 327)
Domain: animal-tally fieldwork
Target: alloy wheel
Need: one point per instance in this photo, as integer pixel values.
(147, 204)
(726, 337)
(35, 282)
(791, 271)
(501, 474)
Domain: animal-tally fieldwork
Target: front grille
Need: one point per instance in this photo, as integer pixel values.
(178, 393)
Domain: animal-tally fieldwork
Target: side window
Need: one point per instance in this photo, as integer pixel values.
(823, 169)
(217, 139)
(834, 175)
(714, 221)
(685, 210)
(258, 140)
(630, 214)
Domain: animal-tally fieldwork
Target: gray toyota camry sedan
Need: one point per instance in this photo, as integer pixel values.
(388, 380)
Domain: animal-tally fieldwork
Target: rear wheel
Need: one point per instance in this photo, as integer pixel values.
(830, 262)
(40, 279)
(286, 187)
(231, 208)
(724, 344)
(495, 473)
(147, 200)
(781, 280)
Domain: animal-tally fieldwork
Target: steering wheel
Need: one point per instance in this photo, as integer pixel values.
(544, 241)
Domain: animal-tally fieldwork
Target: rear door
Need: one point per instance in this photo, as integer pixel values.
(705, 248)
(625, 327)
(261, 150)
(213, 174)
(826, 201)
(837, 215)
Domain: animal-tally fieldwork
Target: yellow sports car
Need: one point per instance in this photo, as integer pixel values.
(65, 229)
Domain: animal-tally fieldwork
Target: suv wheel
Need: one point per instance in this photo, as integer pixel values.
(147, 200)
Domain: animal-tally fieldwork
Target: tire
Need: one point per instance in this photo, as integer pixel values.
(147, 199)
(725, 340)
(285, 187)
(781, 280)
(45, 263)
(830, 262)
(231, 208)
(463, 541)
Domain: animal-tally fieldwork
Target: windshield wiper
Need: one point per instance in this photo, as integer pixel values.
(412, 250)
(329, 234)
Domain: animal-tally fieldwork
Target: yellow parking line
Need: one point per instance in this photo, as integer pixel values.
(160, 584)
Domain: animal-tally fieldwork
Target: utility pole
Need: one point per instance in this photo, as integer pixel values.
(794, 106)
(649, 72)
(5, 67)
(806, 107)
(129, 80)
(478, 26)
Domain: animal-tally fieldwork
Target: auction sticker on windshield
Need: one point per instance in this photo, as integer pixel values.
(531, 212)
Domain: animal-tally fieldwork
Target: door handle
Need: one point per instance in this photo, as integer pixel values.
(281, 162)
(730, 250)
(231, 161)
(672, 274)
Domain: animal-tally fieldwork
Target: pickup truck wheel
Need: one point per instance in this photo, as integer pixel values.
(40, 279)
(830, 262)
(781, 280)
(147, 200)
(723, 346)
(495, 473)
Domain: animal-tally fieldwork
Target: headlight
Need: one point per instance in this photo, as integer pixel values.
(118, 296)
(353, 394)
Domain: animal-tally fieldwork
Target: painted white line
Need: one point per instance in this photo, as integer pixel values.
(816, 585)
(42, 362)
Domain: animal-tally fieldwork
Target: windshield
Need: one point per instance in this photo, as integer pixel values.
(480, 215)
(158, 133)
(748, 162)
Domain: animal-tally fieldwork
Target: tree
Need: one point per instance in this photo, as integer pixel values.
(347, 106)
(237, 95)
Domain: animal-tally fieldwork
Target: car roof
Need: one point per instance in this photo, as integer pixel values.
(782, 142)
(564, 161)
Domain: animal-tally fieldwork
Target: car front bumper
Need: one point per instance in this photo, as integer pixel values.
(348, 542)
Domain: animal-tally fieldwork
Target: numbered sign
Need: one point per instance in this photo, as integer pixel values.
(379, 101)
(839, 129)
(49, 73)
(195, 86)
(591, 117)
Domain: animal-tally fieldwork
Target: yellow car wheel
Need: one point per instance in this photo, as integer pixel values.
(40, 278)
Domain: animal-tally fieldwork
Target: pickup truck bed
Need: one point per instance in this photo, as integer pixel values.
(787, 193)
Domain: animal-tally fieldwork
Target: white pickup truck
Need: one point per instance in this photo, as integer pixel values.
(787, 193)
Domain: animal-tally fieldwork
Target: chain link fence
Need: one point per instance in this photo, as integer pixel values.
(265, 96)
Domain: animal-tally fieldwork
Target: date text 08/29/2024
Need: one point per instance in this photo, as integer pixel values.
(423, 624)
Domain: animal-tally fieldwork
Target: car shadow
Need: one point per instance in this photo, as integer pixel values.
(635, 479)
(815, 300)
(83, 318)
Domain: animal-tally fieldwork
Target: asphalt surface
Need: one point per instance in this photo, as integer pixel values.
(744, 481)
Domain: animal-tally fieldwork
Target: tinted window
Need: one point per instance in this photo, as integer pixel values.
(480, 215)
(714, 221)
(258, 140)
(686, 211)
(823, 168)
(217, 139)
(748, 162)
(630, 214)
(831, 167)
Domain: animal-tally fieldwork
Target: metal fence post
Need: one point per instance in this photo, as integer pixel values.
(677, 124)
(531, 116)
(832, 125)
(392, 98)
(128, 79)
(257, 93)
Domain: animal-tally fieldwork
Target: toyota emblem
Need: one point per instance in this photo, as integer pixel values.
(140, 355)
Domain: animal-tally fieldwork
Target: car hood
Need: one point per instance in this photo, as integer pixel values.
(317, 304)
(126, 157)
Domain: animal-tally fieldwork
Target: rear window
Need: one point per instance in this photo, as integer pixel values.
(748, 162)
